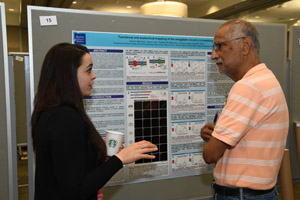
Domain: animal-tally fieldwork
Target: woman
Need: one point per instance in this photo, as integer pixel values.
(71, 160)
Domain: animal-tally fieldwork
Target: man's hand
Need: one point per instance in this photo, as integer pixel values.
(206, 131)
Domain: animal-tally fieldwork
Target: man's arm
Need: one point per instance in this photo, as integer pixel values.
(214, 149)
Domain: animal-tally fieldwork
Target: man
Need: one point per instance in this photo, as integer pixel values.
(248, 141)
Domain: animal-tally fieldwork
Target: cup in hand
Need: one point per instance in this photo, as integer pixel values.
(113, 142)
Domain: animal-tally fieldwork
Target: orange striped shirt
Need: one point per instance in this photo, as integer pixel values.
(255, 123)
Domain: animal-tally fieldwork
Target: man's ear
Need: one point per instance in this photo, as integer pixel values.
(247, 45)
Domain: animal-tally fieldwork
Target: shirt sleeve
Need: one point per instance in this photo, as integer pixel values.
(240, 113)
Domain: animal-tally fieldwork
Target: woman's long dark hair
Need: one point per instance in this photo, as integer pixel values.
(58, 85)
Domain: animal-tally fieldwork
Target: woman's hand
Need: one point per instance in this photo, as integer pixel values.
(137, 151)
(122, 145)
(206, 131)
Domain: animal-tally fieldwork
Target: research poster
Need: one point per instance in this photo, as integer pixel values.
(159, 88)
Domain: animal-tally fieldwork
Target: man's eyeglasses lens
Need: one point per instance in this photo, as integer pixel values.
(218, 45)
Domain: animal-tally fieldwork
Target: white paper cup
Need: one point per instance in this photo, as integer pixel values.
(113, 142)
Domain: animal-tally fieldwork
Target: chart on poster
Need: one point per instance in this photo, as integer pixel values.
(159, 88)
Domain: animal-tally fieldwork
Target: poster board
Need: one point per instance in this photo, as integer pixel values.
(41, 38)
(294, 109)
(8, 164)
(19, 69)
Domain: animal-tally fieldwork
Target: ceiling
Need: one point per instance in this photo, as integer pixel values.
(273, 11)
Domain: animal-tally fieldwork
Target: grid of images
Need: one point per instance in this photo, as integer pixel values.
(150, 123)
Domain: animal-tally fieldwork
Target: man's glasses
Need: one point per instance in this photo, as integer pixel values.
(218, 45)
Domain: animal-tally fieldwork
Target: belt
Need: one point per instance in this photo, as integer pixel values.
(229, 191)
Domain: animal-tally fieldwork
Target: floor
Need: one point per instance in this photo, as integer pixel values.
(23, 180)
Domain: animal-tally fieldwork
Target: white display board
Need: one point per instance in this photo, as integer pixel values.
(176, 182)
(8, 155)
(159, 88)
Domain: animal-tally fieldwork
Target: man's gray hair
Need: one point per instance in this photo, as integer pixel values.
(240, 28)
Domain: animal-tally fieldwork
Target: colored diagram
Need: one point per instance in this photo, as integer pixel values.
(151, 66)
(183, 70)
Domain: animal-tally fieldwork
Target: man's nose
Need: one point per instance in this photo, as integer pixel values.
(214, 55)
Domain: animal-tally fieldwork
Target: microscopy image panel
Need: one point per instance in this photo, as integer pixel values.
(147, 131)
(163, 130)
(155, 131)
(163, 113)
(138, 123)
(154, 104)
(146, 114)
(138, 105)
(150, 123)
(146, 105)
(163, 104)
(155, 123)
(138, 114)
(154, 113)
(138, 132)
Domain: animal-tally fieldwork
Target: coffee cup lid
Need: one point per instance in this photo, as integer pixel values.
(115, 132)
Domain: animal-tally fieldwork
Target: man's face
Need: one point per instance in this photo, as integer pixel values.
(227, 52)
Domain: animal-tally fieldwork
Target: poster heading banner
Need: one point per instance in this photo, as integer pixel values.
(142, 41)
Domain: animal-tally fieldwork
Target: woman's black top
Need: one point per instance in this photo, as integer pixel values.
(66, 164)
